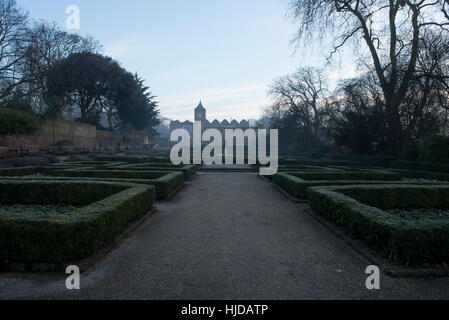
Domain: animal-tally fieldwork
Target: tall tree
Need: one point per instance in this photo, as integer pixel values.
(85, 81)
(94, 86)
(391, 31)
(136, 106)
(360, 123)
(13, 23)
(46, 45)
(303, 95)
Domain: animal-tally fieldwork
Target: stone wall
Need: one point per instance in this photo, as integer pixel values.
(113, 139)
(82, 135)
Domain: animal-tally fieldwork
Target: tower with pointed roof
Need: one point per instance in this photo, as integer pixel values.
(200, 113)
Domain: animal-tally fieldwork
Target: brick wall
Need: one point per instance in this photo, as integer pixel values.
(83, 135)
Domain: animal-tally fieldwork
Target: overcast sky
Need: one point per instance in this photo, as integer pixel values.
(225, 53)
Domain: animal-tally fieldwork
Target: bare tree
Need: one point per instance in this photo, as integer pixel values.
(13, 22)
(303, 93)
(427, 102)
(391, 31)
(46, 45)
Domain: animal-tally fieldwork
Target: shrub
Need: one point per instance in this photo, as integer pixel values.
(107, 209)
(18, 104)
(126, 140)
(64, 143)
(435, 149)
(360, 210)
(419, 166)
(17, 122)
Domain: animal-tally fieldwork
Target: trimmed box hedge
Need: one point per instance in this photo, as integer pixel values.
(422, 174)
(381, 161)
(118, 174)
(188, 170)
(149, 164)
(165, 182)
(376, 175)
(285, 168)
(360, 210)
(297, 187)
(95, 164)
(28, 171)
(302, 168)
(107, 209)
(22, 171)
(324, 162)
(134, 159)
(419, 166)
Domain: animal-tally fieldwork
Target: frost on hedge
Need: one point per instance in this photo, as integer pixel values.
(106, 210)
(411, 242)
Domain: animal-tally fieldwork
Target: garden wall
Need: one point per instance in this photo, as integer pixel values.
(82, 135)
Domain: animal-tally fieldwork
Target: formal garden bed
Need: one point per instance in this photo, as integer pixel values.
(297, 183)
(283, 168)
(419, 166)
(166, 177)
(134, 159)
(348, 175)
(404, 224)
(94, 164)
(297, 187)
(188, 170)
(28, 171)
(56, 222)
(166, 185)
(416, 174)
(89, 172)
(321, 162)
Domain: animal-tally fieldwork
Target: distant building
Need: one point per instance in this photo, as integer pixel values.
(200, 115)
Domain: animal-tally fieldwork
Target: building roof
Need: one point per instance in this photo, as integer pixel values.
(200, 107)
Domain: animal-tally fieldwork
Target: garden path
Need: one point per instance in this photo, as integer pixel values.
(226, 236)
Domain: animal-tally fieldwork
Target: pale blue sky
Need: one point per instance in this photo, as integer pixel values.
(225, 53)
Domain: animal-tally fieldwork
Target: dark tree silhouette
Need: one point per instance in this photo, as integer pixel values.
(13, 22)
(391, 31)
(95, 85)
(84, 81)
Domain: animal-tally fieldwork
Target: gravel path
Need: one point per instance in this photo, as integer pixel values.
(227, 236)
